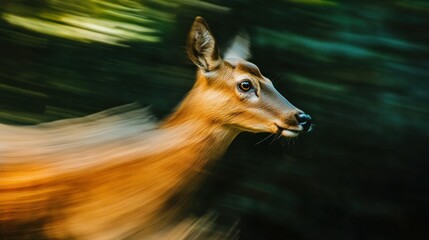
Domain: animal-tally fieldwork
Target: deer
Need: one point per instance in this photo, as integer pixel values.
(110, 175)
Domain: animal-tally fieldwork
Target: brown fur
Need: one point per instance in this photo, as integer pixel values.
(110, 175)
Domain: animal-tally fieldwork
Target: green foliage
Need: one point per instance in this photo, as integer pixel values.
(359, 69)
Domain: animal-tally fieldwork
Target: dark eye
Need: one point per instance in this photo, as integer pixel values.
(245, 86)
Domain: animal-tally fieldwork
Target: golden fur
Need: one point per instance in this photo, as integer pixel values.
(112, 175)
(102, 178)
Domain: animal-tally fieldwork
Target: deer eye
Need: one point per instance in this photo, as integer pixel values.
(245, 85)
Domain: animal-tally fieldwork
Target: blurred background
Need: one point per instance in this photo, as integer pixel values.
(359, 68)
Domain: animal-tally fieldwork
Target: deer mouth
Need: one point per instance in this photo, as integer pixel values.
(287, 132)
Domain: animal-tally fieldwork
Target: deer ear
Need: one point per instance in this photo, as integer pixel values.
(202, 48)
(239, 47)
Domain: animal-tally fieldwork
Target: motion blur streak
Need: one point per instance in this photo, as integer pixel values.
(102, 176)
(114, 24)
(113, 175)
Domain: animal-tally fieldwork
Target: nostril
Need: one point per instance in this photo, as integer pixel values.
(303, 118)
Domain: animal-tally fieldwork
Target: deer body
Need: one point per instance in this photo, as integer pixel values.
(110, 176)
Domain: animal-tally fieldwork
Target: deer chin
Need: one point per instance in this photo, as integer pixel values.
(290, 133)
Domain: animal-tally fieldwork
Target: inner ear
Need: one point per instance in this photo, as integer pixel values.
(202, 48)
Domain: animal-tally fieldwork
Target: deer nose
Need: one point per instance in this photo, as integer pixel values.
(304, 120)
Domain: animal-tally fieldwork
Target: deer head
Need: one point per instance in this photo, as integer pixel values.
(232, 91)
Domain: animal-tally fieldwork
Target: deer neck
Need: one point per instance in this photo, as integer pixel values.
(202, 132)
(189, 143)
(172, 164)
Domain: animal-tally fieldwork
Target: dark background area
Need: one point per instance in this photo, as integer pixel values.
(360, 68)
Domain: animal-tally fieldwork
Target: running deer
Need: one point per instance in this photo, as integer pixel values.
(110, 175)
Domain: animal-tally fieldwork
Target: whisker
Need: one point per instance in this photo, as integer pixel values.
(277, 136)
(264, 139)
